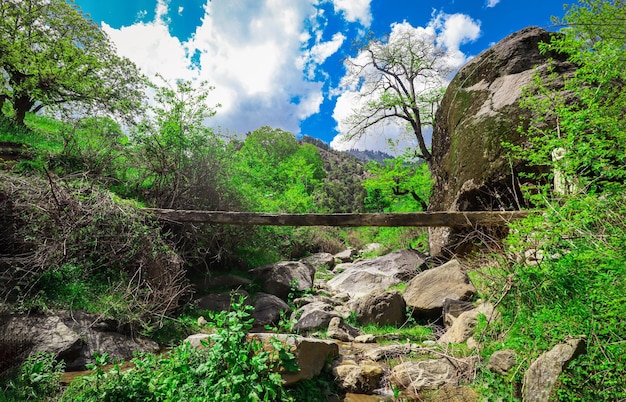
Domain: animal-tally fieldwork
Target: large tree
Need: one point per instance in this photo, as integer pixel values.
(51, 54)
(400, 80)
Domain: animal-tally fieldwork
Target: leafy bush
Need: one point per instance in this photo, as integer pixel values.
(37, 380)
(230, 368)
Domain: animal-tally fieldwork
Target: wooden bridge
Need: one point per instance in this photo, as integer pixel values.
(422, 219)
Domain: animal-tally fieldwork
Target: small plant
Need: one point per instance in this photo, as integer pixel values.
(37, 380)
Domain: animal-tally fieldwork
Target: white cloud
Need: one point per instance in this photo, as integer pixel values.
(449, 32)
(252, 51)
(492, 3)
(355, 10)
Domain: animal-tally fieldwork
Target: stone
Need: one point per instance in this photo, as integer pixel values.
(427, 291)
(338, 329)
(371, 248)
(366, 338)
(319, 260)
(463, 326)
(376, 274)
(502, 361)
(268, 309)
(424, 375)
(211, 283)
(311, 354)
(543, 373)
(381, 308)
(360, 378)
(345, 256)
(198, 340)
(281, 278)
(390, 351)
(202, 321)
(313, 316)
(454, 308)
(220, 301)
(74, 337)
(352, 397)
(480, 110)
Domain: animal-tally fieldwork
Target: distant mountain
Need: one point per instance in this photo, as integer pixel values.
(368, 155)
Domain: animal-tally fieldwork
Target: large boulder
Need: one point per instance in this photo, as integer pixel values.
(377, 274)
(73, 337)
(381, 308)
(479, 111)
(543, 373)
(283, 277)
(427, 292)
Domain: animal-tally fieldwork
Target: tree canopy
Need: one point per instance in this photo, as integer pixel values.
(401, 79)
(51, 54)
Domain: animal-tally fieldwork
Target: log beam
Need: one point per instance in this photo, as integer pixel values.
(422, 219)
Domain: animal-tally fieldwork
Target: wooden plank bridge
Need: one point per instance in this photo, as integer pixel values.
(421, 219)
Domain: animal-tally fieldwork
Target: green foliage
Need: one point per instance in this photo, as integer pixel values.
(397, 185)
(576, 287)
(37, 380)
(52, 56)
(230, 368)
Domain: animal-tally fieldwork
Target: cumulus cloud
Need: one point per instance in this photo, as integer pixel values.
(259, 55)
(492, 3)
(355, 10)
(445, 30)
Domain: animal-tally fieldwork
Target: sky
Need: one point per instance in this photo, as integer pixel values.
(280, 63)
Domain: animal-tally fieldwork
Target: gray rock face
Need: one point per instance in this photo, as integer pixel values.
(542, 374)
(463, 326)
(427, 291)
(279, 278)
(74, 337)
(220, 301)
(361, 378)
(378, 274)
(268, 308)
(313, 316)
(479, 111)
(337, 329)
(502, 361)
(426, 374)
(382, 308)
(318, 260)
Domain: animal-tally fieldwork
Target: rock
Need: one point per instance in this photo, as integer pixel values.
(220, 301)
(313, 316)
(74, 337)
(427, 291)
(543, 373)
(390, 351)
(301, 301)
(202, 321)
(282, 277)
(360, 278)
(351, 397)
(454, 308)
(371, 248)
(268, 309)
(346, 255)
(359, 378)
(480, 110)
(502, 361)
(311, 354)
(463, 326)
(425, 374)
(337, 329)
(198, 340)
(210, 283)
(366, 338)
(319, 260)
(381, 308)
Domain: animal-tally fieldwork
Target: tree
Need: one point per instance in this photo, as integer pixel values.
(52, 55)
(401, 79)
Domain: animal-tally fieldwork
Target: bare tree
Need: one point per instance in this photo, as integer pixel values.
(402, 79)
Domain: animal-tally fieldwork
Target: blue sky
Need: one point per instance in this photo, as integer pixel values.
(280, 62)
